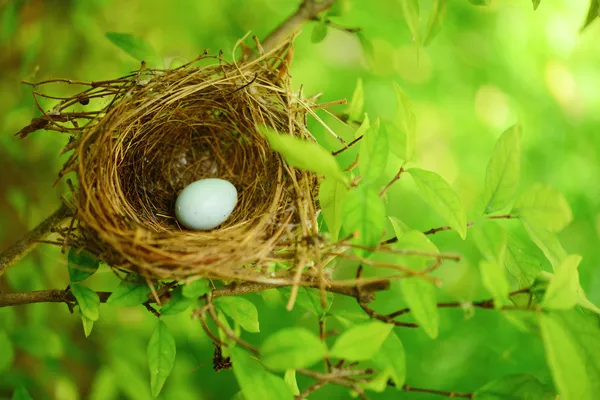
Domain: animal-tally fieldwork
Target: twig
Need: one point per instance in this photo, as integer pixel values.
(24, 245)
(352, 143)
(408, 388)
(390, 183)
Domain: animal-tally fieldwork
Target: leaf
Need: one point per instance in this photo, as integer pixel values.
(494, 280)
(584, 302)
(368, 49)
(437, 16)
(241, 311)
(364, 215)
(303, 154)
(572, 344)
(516, 387)
(21, 394)
(420, 296)
(292, 348)
(357, 103)
(400, 228)
(136, 47)
(196, 288)
(503, 171)
(410, 9)
(402, 136)
(88, 301)
(7, 353)
(82, 264)
(490, 239)
(361, 342)
(161, 357)
(440, 196)
(290, 380)
(129, 294)
(373, 152)
(547, 242)
(256, 382)
(544, 207)
(339, 8)
(310, 299)
(521, 264)
(88, 324)
(319, 31)
(103, 385)
(178, 303)
(593, 13)
(391, 355)
(536, 4)
(562, 291)
(480, 2)
(39, 341)
(331, 198)
(415, 240)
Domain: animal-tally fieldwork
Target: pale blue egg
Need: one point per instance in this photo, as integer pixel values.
(205, 204)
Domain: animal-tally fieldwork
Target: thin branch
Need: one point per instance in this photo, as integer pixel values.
(453, 395)
(24, 245)
(352, 143)
(390, 183)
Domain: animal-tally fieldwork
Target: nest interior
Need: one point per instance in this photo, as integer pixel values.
(162, 130)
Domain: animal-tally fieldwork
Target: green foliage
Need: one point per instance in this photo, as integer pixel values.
(136, 47)
(367, 48)
(292, 348)
(361, 342)
(543, 207)
(494, 280)
(593, 13)
(81, 265)
(319, 31)
(241, 311)
(402, 134)
(516, 387)
(88, 324)
(7, 354)
(161, 357)
(332, 194)
(480, 2)
(391, 355)
(436, 18)
(304, 154)
(357, 103)
(562, 290)
(410, 9)
(310, 300)
(21, 394)
(536, 3)
(88, 301)
(290, 380)
(520, 263)
(39, 341)
(440, 196)
(129, 293)
(373, 152)
(178, 302)
(196, 288)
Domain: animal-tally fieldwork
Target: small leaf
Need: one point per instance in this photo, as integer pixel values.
(491, 240)
(361, 342)
(331, 198)
(88, 301)
(410, 9)
(503, 171)
(355, 108)
(129, 294)
(516, 387)
(310, 299)
(136, 47)
(480, 2)
(364, 215)
(339, 8)
(161, 357)
(292, 348)
(562, 291)
(88, 324)
(7, 353)
(319, 31)
(368, 49)
(402, 136)
(400, 228)
(544, 207)
(303, 154)
(196, 288)
(437, 16)
(256, 382)
(373, 152)
(584, 302)
(494, 280)
(572, 344)
(290, 380)
(82, 265)
(241, 311)
(391, 355)
(415, 240)
(593, 13)
(521, 264)
(363, 128)
(547, 242)
(420, 296)
(178, 303)
(440, 196)
(21, 394)
(536, 4)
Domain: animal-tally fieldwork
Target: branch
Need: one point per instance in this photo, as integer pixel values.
(24, 245)
(453, 395)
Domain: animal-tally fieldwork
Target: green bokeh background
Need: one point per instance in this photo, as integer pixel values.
(488, 68)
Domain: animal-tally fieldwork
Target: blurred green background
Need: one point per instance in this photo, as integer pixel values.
(488, 68)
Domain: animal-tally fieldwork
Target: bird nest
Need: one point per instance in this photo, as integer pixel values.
(151, 133)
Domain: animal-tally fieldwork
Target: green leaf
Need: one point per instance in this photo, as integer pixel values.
(290, 380)
(562, 291)
(292, 348)
(415, 240)
(521, 264)
(196, 288)
(21, 394)
(593, 13)
(129, 294)
(391, 355)
(420, 296)
(547, 242)
(81, 264)
(331, 198)
(39, 341)
(363, 128)
(410, 9)
(178, 303)
(361, 342)
(367, 47)
(88, 301)
(536, 4)
(88, 324)
(310, 299)
(584, 302)
(503, 171)
(136, 47)
(161, 357)
(490, 239)
(437, 16)
(401, 136)
(319, 31)
(339, 8)
(364, 215)
(544, 207)
(303, 154)
(400, 228)
(494, 280)
(355, 108)
(7, 353)
(480, 2)
(373, 152)
(256, 382)
(572, 344)
(516, 387)
(440, 196)
(241, 311)
(103, 385)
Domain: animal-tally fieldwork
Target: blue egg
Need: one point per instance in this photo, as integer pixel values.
(205, 204)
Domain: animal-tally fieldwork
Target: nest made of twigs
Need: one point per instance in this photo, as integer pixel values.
(160, 130)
